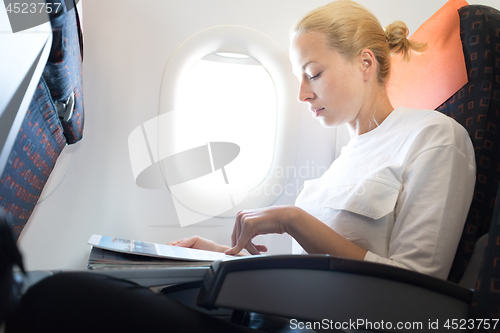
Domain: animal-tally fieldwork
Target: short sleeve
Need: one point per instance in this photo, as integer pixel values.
(431, 211)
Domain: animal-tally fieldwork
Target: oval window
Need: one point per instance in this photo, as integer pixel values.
(227, 124)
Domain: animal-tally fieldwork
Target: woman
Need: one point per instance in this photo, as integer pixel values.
(400, 191)
(398, 194)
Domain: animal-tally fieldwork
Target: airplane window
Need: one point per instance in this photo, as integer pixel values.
(230, 97)
(226, 128)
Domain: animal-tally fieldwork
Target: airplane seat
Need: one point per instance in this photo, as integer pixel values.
(476, 106)
(482, 54)
(54, 119)
(341, 289)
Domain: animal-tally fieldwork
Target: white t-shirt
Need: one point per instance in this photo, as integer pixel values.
(401, 191)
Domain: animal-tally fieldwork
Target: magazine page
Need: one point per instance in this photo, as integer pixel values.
(154, 249)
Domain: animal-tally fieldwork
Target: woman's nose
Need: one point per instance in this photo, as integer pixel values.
(305, 92)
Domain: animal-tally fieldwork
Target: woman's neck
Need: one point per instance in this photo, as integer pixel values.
(373, 112)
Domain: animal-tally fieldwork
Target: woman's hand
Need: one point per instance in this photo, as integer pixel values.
(313, 235)
(258, 222)
(199, 243)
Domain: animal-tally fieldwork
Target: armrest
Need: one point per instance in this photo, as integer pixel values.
(317, 287)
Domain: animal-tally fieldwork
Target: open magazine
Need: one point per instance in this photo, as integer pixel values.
(104, 259)
(110, 252)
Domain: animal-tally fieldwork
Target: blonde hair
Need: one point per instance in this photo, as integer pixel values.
(350, 28)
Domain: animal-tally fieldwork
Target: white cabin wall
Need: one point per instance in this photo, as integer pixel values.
(127, 44)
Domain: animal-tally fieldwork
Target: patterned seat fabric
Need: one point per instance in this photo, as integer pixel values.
(476, 106)
(63, 72)
(38, 145)
(486, 299)
(43, 134)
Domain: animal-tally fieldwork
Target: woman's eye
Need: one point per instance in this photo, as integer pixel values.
(314, 77)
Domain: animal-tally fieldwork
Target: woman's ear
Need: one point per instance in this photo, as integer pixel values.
(368, 64)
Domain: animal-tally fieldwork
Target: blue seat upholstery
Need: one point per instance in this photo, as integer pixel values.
(38, 145)
(477, 106)
(481, 41)
(45, 131)
(63, 72)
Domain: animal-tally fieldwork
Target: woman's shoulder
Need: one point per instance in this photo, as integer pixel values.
(423, 117)
(430, 128)
(428, 122)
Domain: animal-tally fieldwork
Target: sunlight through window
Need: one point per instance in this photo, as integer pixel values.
(230, 98)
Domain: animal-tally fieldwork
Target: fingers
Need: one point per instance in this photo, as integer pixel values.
(248, 224)
(235, 250)
(188, 242)
(236, 229)
(185, 242)
(261, 248)
(236, 237)
(250, 247)
(245, 229)
(242, 220)
(242, 235)
(174, 243)
(253, 249)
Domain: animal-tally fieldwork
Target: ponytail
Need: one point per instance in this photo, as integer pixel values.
(396, 35)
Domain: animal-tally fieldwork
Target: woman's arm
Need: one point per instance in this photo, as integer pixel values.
(316, 237)
(313, 235)
(431, 211)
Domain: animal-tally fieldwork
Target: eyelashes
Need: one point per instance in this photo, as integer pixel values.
(314, 77)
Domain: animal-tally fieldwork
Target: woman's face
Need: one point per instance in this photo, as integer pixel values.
(332, 85)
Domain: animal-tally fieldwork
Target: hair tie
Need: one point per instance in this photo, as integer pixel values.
(387, 36)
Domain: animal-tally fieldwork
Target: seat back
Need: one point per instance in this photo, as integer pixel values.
(35, 152)
(54, 119)
(477, 107)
